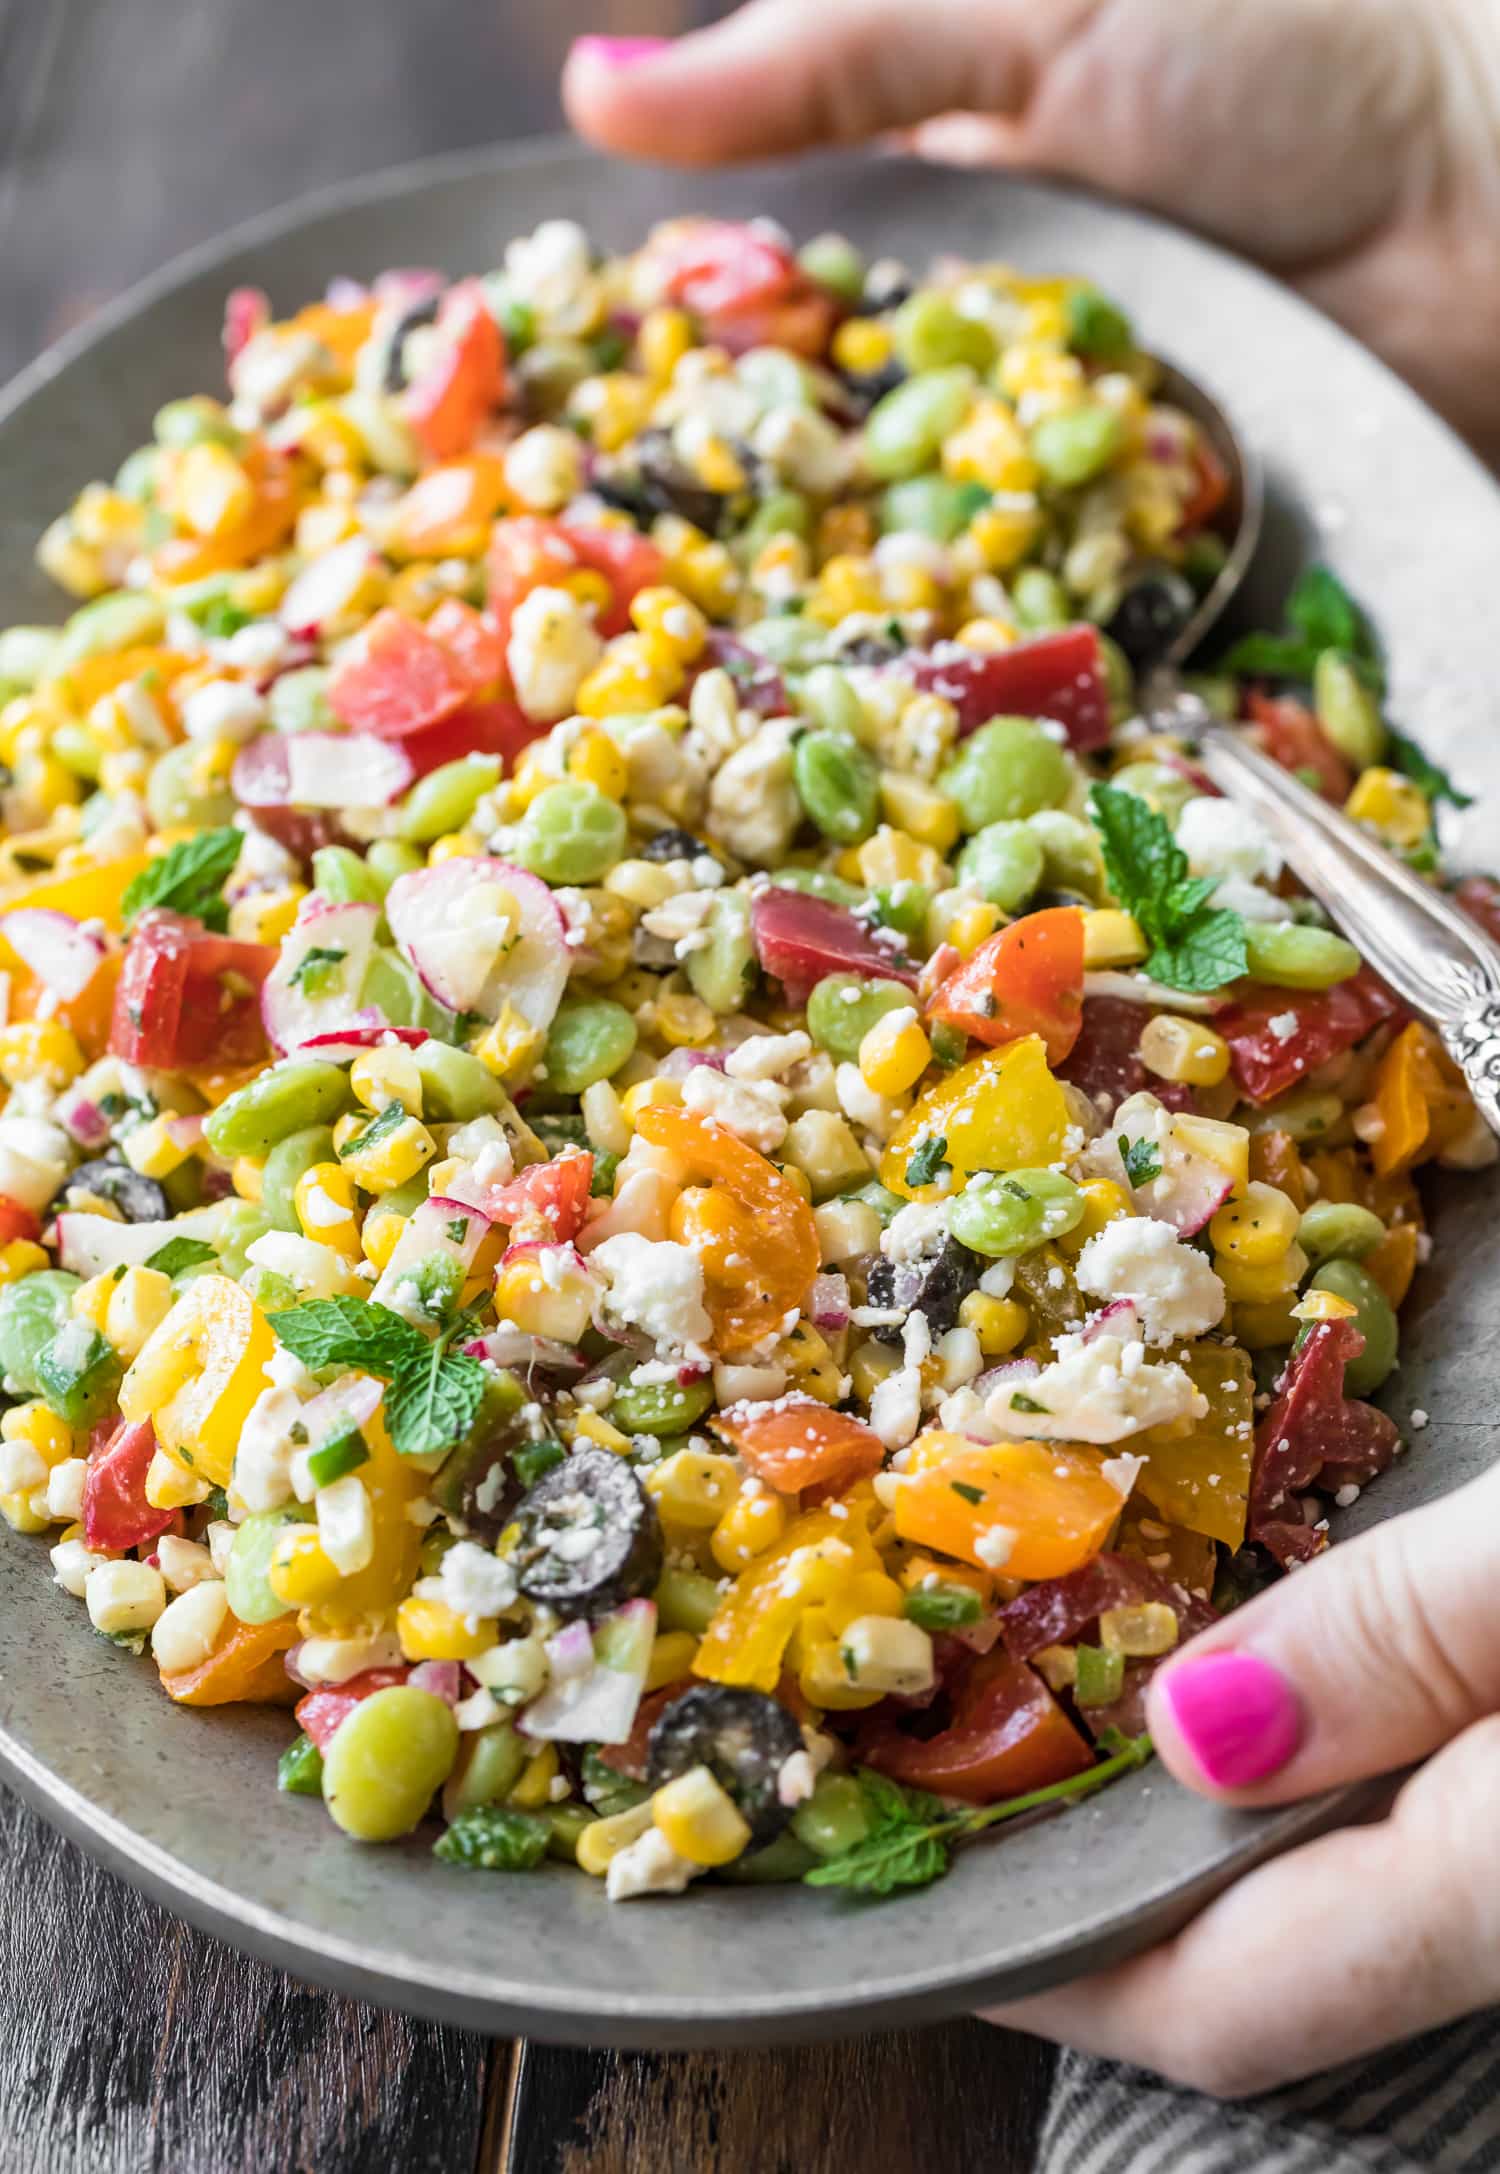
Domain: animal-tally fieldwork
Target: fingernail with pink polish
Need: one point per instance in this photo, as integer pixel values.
(617, 52)
(1237, 1716)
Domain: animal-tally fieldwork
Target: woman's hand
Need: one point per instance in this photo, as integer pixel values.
(1383, 1652)
(1352, 145)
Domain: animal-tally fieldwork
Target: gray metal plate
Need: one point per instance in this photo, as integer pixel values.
(184, 1803)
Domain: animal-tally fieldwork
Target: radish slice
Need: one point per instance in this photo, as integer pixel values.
(440, 1225)
(513, 1347)
(367, 1030)
(1118, 1318)
(597, 1680)
(353, 1399)
(482, 934)
(1190, 1188)
(91, 1245)
(313, 989)
(62, 955)
(321, 770)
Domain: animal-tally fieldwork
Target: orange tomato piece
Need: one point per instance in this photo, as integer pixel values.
(447, 512)
(782, 1241)
(1274, 1161)
(86, 1016)
(1421, 1098)
(245, 1669)
(342, 331)
(92, 677)
(1393, 1262)
(267, 525)
(796, 1442)
(1025, 979)
(1029, 1509)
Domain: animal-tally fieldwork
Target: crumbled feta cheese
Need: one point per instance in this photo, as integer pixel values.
(995, 1545)
(1172, 1286)
(805, 449)
(223, 709)
(1419, 1419)
(655, 1286)
(1097, 1389)
(346, 1524)
(916, 1231)
(544, 467)
(752, 803)
(552, 649)
(750, 1109)
(681, 921)
(896, 1407)
(471, 1581)
(997, 1280)
(648, 1866)
(767, 1056)
(1222, 838)
(1283, 1025)
(795, 1779)
(262, 1473)
(879, 1114)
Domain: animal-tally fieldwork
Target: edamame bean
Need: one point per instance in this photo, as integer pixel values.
(239, 1224)
(1004, 863)
(589, 1041)
(1097, 327)
(904, 432)
(490, 1763)
(1290, 957)
(1306, 1115)
(1338, 1230)
(343, 877)
(1001, 1215)
(289, 1160)
(930, 332)
(568, 1822)
(27, 654)
(794, 642)
(1167, 791)
(386, 1760)
(444, 800)
(835, 264)
(127, 619)
(1071, 859)
(838, 785)
(887, 1205)
(1007, 769)
(298, 701)
(391, 985)
(780, 513)
(774, 1865)
(1039, 598)
(721, 971)
(659, 1408)
(32, 1310)
(826, 696)
(136, 476)
(1347, 711)
(842, 1009)
(571, 833)
(1077, 444)
(1375, 1318)
(175, 798)
(933, 506)
(197, 420)
(834, 1818)
(455, 1085)
(403, 1200)
(247, 1579)
(302, 1091)
(685, 1601)
(388, 858)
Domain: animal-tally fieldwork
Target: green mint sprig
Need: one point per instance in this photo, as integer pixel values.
(1194, 945)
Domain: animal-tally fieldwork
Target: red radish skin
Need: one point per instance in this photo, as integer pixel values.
(465, 963)
(799, 939)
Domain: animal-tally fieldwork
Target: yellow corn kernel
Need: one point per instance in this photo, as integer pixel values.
(693, 1488)
(380, 1236)
(862, 346)
(894, 856)
(1187, 1050)
(988, 634)
(536, 770)
(703, 569)
(512, 1047)
(699, 1818)
(248, 1176)
(382, 1076)
(534, 1789)
(1390, 804)
(971, 925)
(429, 1630)
(811, 1364)
(48, 785)
(668, 616)
(1265, 1325)
(910, 588)
(1264, 1281)
(825, 1681)
(22, 1257)
(80, 571)
(1103, 1202)
(454, 845)
(322, 525)
(872, 1363)
(603, 1839)
(589, 586)
(684, 1021)
(894, 1054)
(207, 490)
(39, 1049)
(1323, 1306)
(392, 1158)
(672, 1655)
(715, 464)
(169, 1487)
(629, 677)
(1140, 1631)
(847, 583)
(1040, 367)
(990, 448)
(537, 1306)
(1226, 1145)
(919, 809)
(41, 1429)
(1257, 1229)
(1001, 536)
(1000, 1323)
(153, 1150)
(18, 1509)
(300, 1573)
(615, 406)
(665, 336)
(644, 1093)
(90, 1302)
(587, 1426)
(138, 1305)
(324, 1202)
(752, 1524)
(780, 565)
(265, 917)
(1112, 938)
(594, 759)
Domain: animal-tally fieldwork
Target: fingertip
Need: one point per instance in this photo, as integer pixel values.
(598, 94)
(1225, 1722)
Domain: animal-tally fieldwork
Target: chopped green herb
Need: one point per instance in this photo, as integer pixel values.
(180, 1253)
(533, 1459)
(188, 879)
(1021, 1402)
(1194, 945)
(435, 1392)
(299, 1770)
(1142, 1160)
(970, 1494)
(390, 1120)
(943, 1607)
(317, 971)
(927, 1160)
(1433, 780)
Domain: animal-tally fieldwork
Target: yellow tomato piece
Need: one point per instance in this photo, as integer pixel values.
(197, 1375)
(1029, 1509)
(85, 894)
(1002, 1110)
(1201, 1480)
(392, 1483)
(819, 1557)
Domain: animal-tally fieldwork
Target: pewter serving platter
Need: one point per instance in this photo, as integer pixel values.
(184, 1803)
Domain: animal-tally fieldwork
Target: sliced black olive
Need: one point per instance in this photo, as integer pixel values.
(887, 285)
(742, 1737)
(1151, 614)
(393, 377)
(139, 1200)
(936, 1286)
(654, 480)
(590, 1536)
(674, 845)
(1059, 896)
(866, 387)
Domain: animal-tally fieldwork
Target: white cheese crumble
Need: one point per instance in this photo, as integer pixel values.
(1098, 1389)
(655, 1286)
(648, 1866)
(1172, 1287)
(750, 1109)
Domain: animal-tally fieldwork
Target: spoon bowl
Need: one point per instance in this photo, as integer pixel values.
(1239, 520)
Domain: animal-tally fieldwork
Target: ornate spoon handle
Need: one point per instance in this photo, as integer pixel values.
(1443, 965)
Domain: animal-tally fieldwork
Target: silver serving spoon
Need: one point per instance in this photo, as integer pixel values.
(1438, 960)
(1242, 513)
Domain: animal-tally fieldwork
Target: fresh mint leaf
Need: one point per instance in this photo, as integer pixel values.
(1205, 954)
(390, 1120)
(1323, 612)
(180, 1253)
(1270, 656)
(189, 879)
(927, 1160)
(353, 1332)
(885, 1862)
(1194, 945)
(1141, 857)
(433, 1400)
(1408, 758)
(1142, 1160)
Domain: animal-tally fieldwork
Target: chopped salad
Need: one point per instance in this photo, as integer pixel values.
(657, 1160)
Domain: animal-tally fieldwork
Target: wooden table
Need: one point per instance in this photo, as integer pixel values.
(130, 129)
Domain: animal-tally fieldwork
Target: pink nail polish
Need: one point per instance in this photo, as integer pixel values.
(1236, 1714)
(617, 52)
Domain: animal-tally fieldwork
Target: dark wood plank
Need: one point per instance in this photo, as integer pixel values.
(133, 2045)
(940, 2101)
